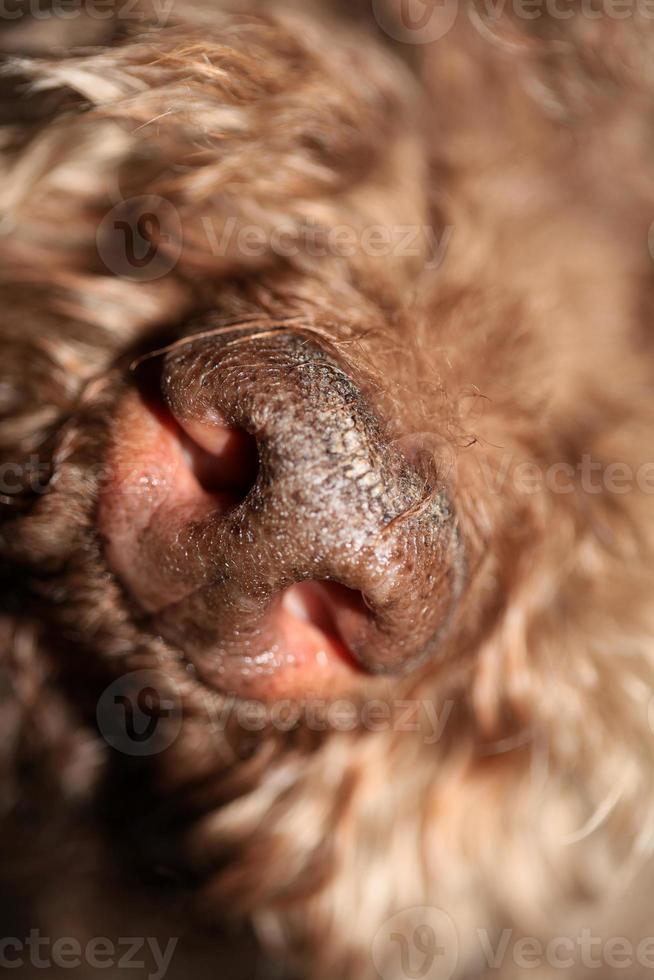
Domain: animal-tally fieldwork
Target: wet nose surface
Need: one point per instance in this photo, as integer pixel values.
(306, 514)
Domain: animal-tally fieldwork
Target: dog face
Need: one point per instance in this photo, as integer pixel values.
(269, 448)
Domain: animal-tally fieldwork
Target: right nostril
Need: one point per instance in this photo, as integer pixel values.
(223, 458)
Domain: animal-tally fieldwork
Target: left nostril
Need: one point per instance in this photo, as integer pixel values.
(325, 604)
(337, 614)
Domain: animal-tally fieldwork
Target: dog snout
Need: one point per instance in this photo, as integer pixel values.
(306, 505)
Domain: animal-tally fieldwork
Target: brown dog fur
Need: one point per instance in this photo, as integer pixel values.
(529, 343)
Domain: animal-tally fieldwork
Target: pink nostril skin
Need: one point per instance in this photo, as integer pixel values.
(263, 524)
(221, 457)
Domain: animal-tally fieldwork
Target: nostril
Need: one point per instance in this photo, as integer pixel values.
(222, 458)
(339, 614)
(320, 602)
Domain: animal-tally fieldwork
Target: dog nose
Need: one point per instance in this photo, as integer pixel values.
(318, 495)
(306, 506)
